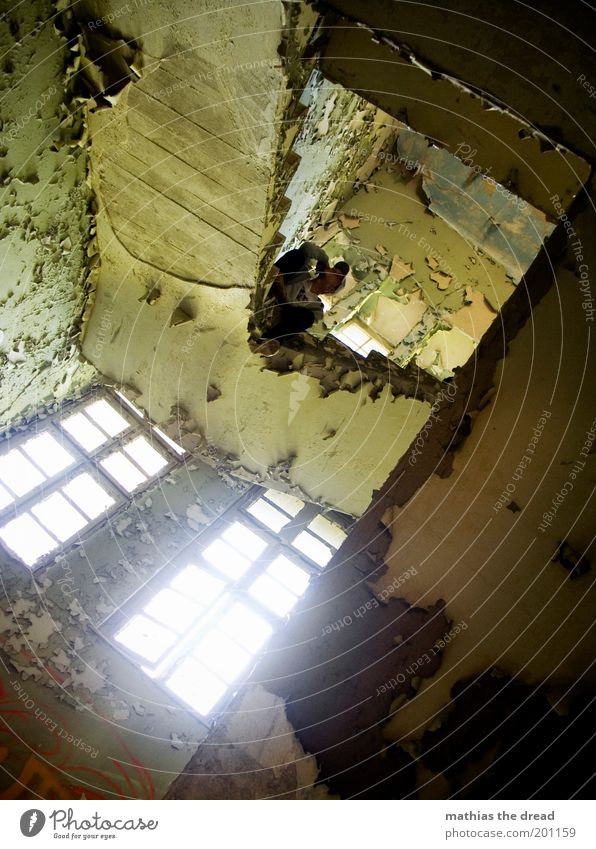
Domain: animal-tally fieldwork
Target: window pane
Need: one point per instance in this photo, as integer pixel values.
(18, 473)
(5, 498)
(226, 559)
(246, 626)
(84, 432)
(123, 471)
(247, 542)
(291, 505)
(222, 654)
(356, 334)
(88, 495)
(146, 638)
(268, 515)
(59, 517)
(287, 573)
(173, 610)
(197, 686)
(143, 453)
(328, 531)
(27, 539)
(198, 584)
(272, 595)
(48, 453)
(359, 340)
(107, 417)
(313, 548)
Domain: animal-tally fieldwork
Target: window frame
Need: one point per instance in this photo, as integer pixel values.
(234, 591)
(341, 330)
(84, 461)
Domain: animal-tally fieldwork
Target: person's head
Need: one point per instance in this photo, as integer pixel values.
(329, 281)
(339, 272)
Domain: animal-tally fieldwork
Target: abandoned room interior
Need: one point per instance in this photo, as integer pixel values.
(358, 568)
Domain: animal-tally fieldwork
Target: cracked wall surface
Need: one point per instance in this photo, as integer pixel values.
(341, 139)
(254, 418)
(532, 79)
(44, 223)
(524, 613)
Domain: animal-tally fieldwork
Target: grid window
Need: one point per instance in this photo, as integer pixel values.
(198, 626)
(72, 470)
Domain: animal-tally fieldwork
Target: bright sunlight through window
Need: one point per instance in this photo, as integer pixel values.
(198, 627)
(72, 470)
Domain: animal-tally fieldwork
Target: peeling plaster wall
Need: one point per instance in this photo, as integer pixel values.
(435, 252)
(340, 143)
(396, 247)
(44, 224)
(58, 677)
(274, 426)
(277, 427)
(490, 531)
(252, 753)
(480, 47)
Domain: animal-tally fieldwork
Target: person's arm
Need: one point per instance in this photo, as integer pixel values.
(278, 289)
(312, 251)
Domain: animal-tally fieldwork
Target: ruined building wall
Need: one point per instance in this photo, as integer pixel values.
(183, 165)
(44, 222)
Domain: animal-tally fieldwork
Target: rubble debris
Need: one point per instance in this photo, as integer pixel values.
(176, 742)
(441, 279)
(213, 392)
(180, 316)
(575, 563)
(350, 222)
(400, 269)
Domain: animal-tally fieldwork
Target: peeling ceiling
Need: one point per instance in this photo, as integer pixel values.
(186, 169)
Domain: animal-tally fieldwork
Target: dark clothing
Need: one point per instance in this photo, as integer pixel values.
(294, 316)
(294, 266)
(292, 319)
